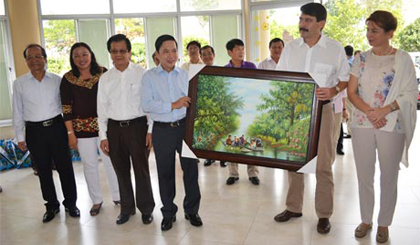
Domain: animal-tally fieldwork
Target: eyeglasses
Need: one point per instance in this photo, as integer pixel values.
(34, 57)
(121, 51)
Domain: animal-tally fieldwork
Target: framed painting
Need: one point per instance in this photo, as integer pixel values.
(258, 117)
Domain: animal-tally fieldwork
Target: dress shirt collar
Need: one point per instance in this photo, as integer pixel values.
(231, 63)
(199, 62)
(129, 67)
(321, 42)
(47, 74)
(271, 59)
(160, 69)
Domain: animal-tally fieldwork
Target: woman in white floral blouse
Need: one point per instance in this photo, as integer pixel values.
(383, 89)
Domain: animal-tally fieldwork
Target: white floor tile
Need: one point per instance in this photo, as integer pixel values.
(232, 215)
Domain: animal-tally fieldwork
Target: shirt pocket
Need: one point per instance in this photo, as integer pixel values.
(324, 69)
(134, 91)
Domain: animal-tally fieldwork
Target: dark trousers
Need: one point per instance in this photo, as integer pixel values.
(167, 140)
(48, 144)
(128, 142)
(340, 139)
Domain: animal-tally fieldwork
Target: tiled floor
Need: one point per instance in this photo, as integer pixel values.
(238, 214)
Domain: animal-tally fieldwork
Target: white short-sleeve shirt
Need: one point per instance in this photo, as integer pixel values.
(267, 64)
(327, 58)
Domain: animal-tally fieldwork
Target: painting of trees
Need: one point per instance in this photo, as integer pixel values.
(217, 111)
(280, 116)
(283, 108)
(254, 117)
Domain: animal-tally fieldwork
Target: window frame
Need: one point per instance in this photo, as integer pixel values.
(269, 5)
(176, 15)
(10, 60)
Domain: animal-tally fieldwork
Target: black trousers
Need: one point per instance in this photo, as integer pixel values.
(48, 144)
(128, 142)
(340, 139)
(166, 141)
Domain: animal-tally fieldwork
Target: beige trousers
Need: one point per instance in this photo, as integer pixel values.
(324, 193)
(390, 146)
(233, 170)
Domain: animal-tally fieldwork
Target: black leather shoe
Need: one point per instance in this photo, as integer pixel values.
(286, 215)
(167, 223)
(347, 136)
(122, 218)
(208, 162)
(50, 214)
(194, 219)
(254, 180)
(323, 226)
(147, 218)
(73, 211)
(223, 164)
(340, 152)
(231, 180)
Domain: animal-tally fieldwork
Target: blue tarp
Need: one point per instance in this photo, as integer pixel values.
(12, 157)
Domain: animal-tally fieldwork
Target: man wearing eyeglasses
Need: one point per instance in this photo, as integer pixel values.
(124, 131)
(40, 128)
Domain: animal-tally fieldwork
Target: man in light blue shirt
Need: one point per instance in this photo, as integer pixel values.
(164, 97)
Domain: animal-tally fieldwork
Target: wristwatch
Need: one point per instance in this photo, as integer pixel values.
(337, 89)
(393, 107)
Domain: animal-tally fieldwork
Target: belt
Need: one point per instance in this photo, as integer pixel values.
(170, 124)
(326, 101)
(126, 123)
(45, 123)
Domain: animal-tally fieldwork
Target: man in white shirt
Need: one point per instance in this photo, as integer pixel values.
(324, 57)
(37, 111)
(193, 49)
(123, 129)
(276, 46)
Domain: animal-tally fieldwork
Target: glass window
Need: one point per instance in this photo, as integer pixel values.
(194, 28)
(268, 24)
(133, 28)
(199, 5)
(267, 0)
(59, 36)
(59, 7)
(95, 34)
(5, 84)
(144, 6)
(288, 2)
(2, 7)
(154, 28)
(223, 29)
